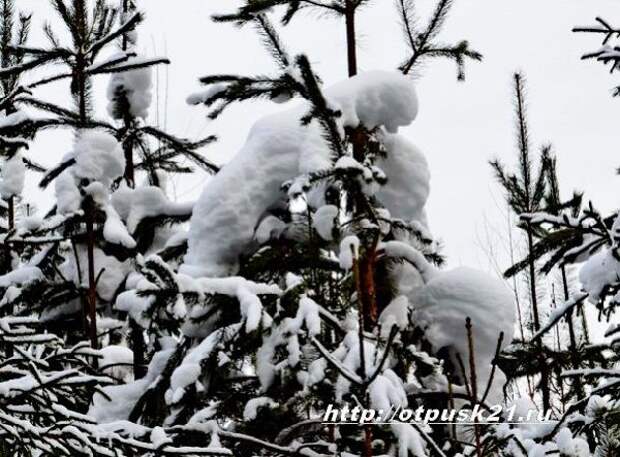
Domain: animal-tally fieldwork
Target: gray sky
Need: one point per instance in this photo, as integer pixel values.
(460, 126)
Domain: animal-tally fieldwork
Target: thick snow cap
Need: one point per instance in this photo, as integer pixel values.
(279, 148)
(133, 87)
(449, 297)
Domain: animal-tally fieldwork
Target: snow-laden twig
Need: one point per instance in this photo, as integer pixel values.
(559, 313)
(336, 364)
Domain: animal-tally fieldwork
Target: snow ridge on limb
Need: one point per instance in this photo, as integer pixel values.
(279, 148)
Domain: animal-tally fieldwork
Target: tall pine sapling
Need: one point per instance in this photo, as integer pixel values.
(525, 192)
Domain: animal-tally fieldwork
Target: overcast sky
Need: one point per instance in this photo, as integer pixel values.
(460, 126)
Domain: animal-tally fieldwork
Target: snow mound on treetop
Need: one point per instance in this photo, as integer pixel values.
(279, 148)
(131, 88)
(449, 297)
(98, 160)
(98, 157)
(408, 185)
(376, 98)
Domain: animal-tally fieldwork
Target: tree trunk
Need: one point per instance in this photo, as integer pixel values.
(473, 379)
(92, 281)
(367, 451)
(128, 153)
(127, 119)
(544, 372)
(138, 348)
(11, 210)
(351, 40)
(571, 334)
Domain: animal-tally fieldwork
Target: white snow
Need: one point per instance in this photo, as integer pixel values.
(348, 162)
(135, 305)
(570, 446)
(270, 228)
(376, 98)
(349, 250)
(410, 254)
(408, 187)
(599, 271)
(409, 440)
(20, 276)
(98, 157)
(68, 197)
(387, 393)
(99, 160)
(159, 437)
(109, 271)
(12, 176)
(135, 87)
(448, 298)
(135, 205)
(117, 362)
(308, 314)
(277, 150)
(122, 398)
(188, 372)
(324, 221)
(201, 97)
(9, 120)
(395, 314)
(250, 411)
(114, 231)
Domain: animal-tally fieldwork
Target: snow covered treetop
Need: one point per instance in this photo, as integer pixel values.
(279, 148)
(376, 98)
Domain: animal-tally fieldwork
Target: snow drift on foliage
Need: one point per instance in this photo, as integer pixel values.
(278, 149)
(135, 205)
(443, 300)
(448, 298)
(99, 161)
(98, 157)
(117, 361)
(408, 175)
(118, 401)
(133, 88)
(12, 176)
(111, 272)
(599, 271)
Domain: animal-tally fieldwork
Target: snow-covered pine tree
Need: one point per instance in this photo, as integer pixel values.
(319, 284)
(525, 191)
(84, 176)
(573, 233)
(101, 223)
(44, 386)
(146, 209)
(45, 391)
(300, 290)
(48, 386)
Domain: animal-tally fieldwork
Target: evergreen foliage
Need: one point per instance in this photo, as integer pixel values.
(120, 335)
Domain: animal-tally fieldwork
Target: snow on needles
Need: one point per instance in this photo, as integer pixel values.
(598, 272)
(279, 148)
(132, 88)
(449, 297)
(12, 176)
(408, 175)
(98, 162)
(98, 157)
(376, 98)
